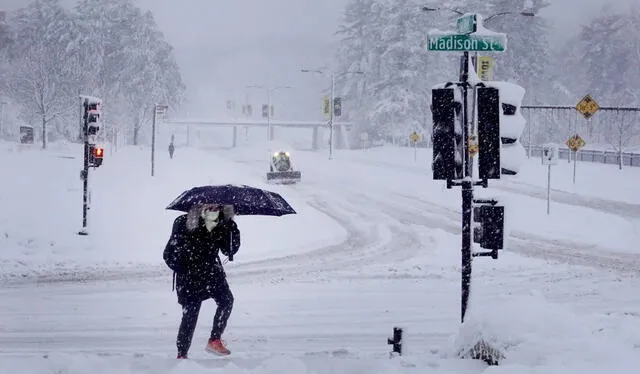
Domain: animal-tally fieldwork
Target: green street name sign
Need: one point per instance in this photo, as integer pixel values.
(466, 24)
(471, 42)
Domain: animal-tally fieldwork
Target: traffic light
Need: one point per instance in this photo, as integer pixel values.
(512, 124)
(490, 231)
(96, 155)
(265, 111)
(489, 133)
(446, 135)
(337, 106)
(92, 116)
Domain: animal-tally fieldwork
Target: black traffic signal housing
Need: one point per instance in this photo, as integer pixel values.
(96, 155)
(91, 117)
(447, 142)
(337, 107)
(489, 232)
(489, 133)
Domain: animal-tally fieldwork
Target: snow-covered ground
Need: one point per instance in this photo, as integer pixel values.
(375, 244)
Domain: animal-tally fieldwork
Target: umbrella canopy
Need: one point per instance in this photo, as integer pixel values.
(246, 200)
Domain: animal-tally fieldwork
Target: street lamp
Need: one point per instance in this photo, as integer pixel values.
(333, 75)
(269, 90)
(430, 9)
(526, 13)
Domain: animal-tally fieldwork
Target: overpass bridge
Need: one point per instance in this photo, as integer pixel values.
(339, 127)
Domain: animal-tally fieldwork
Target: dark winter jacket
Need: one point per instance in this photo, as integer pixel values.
(193, 256)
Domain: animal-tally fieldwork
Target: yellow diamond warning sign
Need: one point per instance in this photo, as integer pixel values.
(575, 142)
(415, 137)
(587, 107)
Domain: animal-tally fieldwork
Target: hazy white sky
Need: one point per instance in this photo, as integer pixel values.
(222, 46)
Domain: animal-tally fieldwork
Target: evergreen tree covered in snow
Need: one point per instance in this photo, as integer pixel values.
(527, 60)
(392, 42)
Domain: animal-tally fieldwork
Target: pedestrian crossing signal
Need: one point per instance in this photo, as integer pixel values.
(96, 155)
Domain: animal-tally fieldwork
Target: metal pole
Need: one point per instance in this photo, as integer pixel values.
(548, 187)
(575, 162)
(81, 127)
(268, 115)
(153, 139)
(530, 125)
(85, 170)
(331, 116)
(467, 195)
(2, 104)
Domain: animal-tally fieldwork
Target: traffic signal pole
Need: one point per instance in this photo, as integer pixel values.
(85, 170)
(467, 192)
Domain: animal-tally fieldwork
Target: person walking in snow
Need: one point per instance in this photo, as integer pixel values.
(172, 148)
(192, 253)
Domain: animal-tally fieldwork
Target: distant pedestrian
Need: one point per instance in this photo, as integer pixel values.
(172, 148)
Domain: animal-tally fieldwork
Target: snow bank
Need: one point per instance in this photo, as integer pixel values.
(536, 336)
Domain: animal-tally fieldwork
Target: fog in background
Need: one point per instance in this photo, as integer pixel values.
(222, 46)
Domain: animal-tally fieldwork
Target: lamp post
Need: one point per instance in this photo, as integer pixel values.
(269, 90)
(333, 75)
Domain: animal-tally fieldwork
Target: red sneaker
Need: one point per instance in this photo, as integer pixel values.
(216, 347)
(182, 357)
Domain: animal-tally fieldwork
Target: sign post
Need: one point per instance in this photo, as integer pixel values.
(158, 110)
(575, 143)
(415, 138)
(363, 139)
(549, 157)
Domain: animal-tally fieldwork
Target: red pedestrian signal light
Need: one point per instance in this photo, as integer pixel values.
(98, 152)
(96, 155)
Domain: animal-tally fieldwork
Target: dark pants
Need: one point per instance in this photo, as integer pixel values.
(224, 298)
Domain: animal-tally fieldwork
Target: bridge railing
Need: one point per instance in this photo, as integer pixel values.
(602, 157)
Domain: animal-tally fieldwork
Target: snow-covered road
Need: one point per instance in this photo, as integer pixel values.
(397, 264)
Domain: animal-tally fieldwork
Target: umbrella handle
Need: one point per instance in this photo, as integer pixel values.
(231, 246)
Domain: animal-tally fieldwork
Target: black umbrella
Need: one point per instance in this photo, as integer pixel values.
(246, 200)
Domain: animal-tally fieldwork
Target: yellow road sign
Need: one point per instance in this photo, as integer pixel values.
(327, 106)
(587, 107)
(485, 68)
(415, 137)
(575, 142)
(473, 145)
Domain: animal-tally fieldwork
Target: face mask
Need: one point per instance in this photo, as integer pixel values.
(210, 216)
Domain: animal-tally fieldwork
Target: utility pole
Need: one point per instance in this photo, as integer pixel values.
(332, 76)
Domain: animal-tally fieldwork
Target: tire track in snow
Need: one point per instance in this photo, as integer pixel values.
(614, 207)
(535, 246)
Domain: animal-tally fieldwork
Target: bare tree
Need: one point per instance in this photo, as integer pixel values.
(622, 131)
(38, 84)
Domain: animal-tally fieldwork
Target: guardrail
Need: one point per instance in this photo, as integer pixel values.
(602, 157)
